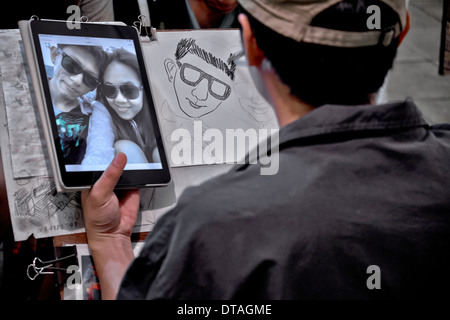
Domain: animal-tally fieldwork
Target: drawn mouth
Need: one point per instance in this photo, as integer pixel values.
(259, 110)
(195, 106)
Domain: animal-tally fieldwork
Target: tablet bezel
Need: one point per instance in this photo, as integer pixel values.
(78, 180)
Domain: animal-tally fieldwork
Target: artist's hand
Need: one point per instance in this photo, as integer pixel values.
(109, 220)
(106, 215)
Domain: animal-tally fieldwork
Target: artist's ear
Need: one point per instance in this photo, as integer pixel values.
(255, 55)
(170, 67)
(53, 54)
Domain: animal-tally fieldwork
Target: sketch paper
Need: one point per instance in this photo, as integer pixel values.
(28, 158)
(34, 206)
(193, 81)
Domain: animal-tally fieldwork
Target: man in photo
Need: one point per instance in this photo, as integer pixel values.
(75, 73)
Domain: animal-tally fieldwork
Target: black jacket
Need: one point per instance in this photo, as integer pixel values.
(362, 194)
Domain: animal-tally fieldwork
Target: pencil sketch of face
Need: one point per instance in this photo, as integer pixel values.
(252, 102)
(202, 81)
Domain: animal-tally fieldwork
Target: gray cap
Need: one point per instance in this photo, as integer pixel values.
(292, 19)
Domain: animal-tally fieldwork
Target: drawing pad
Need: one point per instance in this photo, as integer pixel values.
(69, 69)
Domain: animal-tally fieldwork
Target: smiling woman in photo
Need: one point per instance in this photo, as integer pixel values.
(122, 94)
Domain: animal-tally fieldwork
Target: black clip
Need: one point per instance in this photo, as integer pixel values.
(145, 29)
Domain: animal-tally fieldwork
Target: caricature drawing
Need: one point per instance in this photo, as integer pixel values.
(191, 72)
(192, 81)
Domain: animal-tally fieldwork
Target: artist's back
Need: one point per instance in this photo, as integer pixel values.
(359, 209)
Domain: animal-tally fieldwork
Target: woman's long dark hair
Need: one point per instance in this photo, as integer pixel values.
(123, 129)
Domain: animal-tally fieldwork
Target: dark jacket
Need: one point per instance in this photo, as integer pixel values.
(362, 194)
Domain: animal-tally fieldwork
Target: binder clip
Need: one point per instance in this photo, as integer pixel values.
(39, 267)
(145, 29)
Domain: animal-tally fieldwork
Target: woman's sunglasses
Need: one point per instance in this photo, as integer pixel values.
(71, 66)
(129, 91)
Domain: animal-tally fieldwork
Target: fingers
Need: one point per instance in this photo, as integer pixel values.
(130, 197)
(104, 187)
(129, 208)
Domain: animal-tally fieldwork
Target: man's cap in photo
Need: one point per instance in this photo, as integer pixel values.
(292, 19)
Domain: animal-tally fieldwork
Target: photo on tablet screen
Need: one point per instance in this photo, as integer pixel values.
(99, 102)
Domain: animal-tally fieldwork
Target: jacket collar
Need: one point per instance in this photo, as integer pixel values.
(330, 119)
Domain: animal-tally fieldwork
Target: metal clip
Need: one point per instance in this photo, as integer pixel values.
(142, 19)
(39, 267)
(142, 24)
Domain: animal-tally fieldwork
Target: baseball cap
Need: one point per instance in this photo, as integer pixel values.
(292, 19)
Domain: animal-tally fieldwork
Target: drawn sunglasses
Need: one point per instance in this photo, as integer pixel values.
(129, 91)
(193, 76)
(73, 67)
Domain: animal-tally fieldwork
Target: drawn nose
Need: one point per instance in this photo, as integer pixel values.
(201, 90)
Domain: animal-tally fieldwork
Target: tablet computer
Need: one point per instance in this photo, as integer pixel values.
(95, 100)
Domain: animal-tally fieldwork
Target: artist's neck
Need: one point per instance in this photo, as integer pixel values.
(288, 108)
(59, 101)
(206, 16)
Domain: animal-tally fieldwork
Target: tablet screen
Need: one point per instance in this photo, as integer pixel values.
(99, 103)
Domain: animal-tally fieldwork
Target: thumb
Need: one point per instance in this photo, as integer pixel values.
(107, 182)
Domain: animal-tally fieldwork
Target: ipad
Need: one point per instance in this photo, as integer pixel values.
(95, 100)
